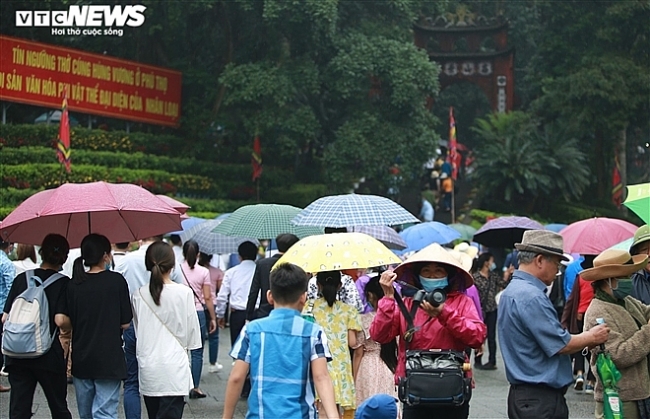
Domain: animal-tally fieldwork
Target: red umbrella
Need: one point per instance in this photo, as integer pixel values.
(122, 212)
(592, 236)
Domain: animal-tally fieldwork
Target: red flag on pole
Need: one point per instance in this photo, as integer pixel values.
(454, 157)
(63, 143)
(617, 184)
(256, 158)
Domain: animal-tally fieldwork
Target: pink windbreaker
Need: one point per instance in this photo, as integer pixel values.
(457, 327)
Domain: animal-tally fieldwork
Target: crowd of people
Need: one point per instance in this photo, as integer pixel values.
(326, 344)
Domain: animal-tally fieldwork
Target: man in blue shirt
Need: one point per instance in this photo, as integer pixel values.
(536, 349)
(286, 354)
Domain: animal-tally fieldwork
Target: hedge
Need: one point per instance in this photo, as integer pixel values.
(29, 176)
(272, 177)
(299, 195)
(20, 135)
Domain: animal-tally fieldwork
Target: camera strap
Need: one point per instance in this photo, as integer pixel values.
(409, 317)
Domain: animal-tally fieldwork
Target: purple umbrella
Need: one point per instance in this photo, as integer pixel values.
(505, 231)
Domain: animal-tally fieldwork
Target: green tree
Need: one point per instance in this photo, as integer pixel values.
(521, 164)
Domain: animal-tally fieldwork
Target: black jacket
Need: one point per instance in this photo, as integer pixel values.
(261, 285)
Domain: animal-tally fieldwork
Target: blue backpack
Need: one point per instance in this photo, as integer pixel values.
(27, 329)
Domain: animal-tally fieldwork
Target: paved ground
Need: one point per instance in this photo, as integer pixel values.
(488, 401)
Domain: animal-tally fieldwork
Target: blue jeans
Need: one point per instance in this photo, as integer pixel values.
(97, 399)
(197, 354)
(132, 406)
(213, 344)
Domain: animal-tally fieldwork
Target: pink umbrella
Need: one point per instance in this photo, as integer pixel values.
(177, 205)
(122, 212)
(592, 236)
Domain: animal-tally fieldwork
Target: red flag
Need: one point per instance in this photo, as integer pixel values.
(63, 143)
(454, 157)
(617, 184)
(256, 158)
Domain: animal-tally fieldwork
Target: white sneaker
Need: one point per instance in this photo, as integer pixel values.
(215, 367)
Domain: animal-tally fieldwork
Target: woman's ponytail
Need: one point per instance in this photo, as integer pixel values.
(159, 260)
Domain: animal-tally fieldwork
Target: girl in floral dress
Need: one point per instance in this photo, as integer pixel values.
(374, 364)
(341, 323)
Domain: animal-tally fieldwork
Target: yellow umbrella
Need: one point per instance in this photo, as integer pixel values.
(330, 252)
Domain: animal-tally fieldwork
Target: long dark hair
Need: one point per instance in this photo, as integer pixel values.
(204, 259)
(93, 249)
(480, 261)
(191, 252)
(329, 282)
(159, 260)
(388, 351)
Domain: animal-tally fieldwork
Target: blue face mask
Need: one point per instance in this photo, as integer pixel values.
(108, 266)
(493, 266)
(430, 284)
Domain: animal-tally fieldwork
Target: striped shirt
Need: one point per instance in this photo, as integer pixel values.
(279, 349)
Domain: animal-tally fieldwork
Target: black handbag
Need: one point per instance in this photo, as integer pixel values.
(433, 376)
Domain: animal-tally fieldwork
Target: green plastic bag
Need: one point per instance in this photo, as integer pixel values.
(609, 375)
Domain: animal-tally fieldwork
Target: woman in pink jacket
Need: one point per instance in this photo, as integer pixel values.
(454, 324)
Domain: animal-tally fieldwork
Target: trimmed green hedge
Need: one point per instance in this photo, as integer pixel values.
(30, 176)
(240, 173)
(299, 195)
(45, 135)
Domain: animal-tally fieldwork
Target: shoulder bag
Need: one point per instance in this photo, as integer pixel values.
(208, 317)
(435, 377)
(162, 322)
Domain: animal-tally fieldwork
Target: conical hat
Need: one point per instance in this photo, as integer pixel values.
(434, 253)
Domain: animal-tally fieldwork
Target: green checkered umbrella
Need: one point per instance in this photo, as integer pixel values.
(264, 221)
(466, 231)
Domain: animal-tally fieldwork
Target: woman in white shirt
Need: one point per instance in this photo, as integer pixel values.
(166, 327)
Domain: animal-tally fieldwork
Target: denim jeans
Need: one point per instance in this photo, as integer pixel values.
(132, 405)
(97, 399)
(197, 354)
(213, 344)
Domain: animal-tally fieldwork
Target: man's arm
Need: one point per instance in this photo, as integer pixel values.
(592, 337)
(253, 293)
(324, 387)
(234, 388)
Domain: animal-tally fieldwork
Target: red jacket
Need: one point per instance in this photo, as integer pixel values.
(457, 327)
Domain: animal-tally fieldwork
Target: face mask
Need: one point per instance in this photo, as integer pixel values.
(623, 289)
(493, 266)
(430, 284)
(107, 266)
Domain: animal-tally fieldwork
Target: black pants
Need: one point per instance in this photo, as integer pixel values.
(490, 321)
(23, 382)
(435, 412)
(166, 407)
(237, 322)
(536, 401)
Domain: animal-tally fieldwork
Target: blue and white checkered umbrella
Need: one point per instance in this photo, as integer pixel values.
(352, 210)
(386, 235)
(212, 243)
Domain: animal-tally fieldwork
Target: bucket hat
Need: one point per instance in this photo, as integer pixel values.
(542, 241)
(465, 247)
(614, 263)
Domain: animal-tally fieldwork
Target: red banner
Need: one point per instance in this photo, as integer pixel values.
(37, 74)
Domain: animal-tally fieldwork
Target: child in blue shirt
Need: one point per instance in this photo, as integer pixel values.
(287, 357)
